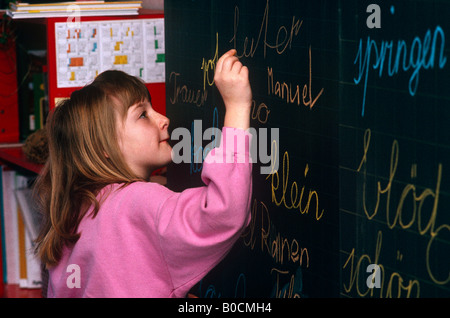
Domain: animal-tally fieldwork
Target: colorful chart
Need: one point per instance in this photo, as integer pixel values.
(133, 46)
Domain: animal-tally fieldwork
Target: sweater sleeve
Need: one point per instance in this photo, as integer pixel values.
(198, 226)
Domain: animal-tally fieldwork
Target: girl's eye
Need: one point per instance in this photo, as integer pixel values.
(143, 115)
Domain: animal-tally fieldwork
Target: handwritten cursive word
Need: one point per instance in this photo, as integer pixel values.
(292, 289)
(210, 65)
(185, 94)
(260, 112)
(284, 90)
(416, 203)
(293, 199)
(281, 249)
(211, 290)
(283, 40)
(357, 276)
(422, 54)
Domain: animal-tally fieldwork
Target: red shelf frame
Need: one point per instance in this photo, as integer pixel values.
(15, 155)
(14, 291)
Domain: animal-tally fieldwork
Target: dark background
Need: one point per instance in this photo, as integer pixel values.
(323, 146)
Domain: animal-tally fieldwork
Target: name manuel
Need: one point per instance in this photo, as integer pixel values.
(291, 94)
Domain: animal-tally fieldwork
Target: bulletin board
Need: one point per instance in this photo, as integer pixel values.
(79, 51)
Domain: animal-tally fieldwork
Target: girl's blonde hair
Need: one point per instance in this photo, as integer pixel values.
(84, 157)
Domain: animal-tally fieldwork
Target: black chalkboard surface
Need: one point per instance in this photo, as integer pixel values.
(351, 105)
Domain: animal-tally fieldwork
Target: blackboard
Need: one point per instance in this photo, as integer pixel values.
(359, 95)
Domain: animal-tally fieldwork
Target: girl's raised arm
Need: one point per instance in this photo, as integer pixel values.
(231, 79)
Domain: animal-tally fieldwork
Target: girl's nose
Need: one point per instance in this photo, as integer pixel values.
(164, 122)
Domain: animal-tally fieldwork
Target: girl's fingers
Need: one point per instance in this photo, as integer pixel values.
(220, 62)
(229, 62)
(237, 66)
(244, 71)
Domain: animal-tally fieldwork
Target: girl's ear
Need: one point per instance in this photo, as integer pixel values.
(105, 154)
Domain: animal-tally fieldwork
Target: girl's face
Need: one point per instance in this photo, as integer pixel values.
(143, 139)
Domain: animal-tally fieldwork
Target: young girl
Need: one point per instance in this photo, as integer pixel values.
(107, 231)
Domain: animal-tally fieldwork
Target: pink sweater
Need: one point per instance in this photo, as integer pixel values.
(148, 241)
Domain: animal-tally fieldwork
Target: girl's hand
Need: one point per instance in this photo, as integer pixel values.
(231, 79)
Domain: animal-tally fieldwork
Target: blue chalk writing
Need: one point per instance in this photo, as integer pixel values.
(423, 53)
(212, 292)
